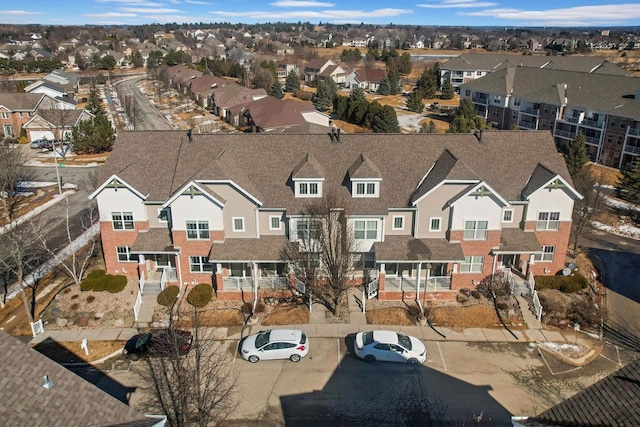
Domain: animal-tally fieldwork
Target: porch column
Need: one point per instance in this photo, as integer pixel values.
(219, 279)
(493, 264)
(381, 276)
(418, 281)
(254, 273)
(426, 278)
(141, 267)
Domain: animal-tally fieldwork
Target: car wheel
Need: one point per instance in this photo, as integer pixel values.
(133, 357)
(412, 361)
(253, 358)
(295, 358)
(369, 358)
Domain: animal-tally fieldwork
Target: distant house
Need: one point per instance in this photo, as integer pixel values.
(180, 77)
(271, 114)
(54, 123)
(17, 108)
(365, 78)
(53, 90)
(224, 98)
(321, 67)
(201, 88)
(286, 67)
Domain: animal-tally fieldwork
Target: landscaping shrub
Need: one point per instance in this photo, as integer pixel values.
(168, 296)
(303, 95)
(98, 281)
(567, 284)
(200, 295)
(91, 299)
(246, 308)
(260, 307)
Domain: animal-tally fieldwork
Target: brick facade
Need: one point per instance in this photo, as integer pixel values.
(111, 239)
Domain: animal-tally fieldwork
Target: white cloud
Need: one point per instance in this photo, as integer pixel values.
(19, 12)
(196, 2)
(579, 15)
(110, 15)
(133, 3)
(457, 4)
(301, 3)
(352, 15)
(148, 10)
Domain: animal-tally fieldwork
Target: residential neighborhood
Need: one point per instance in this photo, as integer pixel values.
(245, 224)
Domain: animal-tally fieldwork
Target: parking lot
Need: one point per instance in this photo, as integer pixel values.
(468, 381)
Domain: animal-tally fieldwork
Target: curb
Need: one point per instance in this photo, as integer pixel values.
(94, 362)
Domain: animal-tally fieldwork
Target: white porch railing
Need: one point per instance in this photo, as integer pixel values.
(163, 279)
(300, 287)
(434, 283)
(37, 327)
(372, 289)
(136, 306)
(273, 282)
(531, 286)
(438, 283)
(141, 283)
(238, 283)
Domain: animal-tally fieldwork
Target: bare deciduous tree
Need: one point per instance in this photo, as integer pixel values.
(321, 255)
(12, 174)
(196, 389)
(589, 183)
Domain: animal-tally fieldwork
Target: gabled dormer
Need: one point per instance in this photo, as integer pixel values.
(365, 178)
(307, 178)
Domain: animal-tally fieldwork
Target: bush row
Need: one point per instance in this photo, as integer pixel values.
(99, 281)
(568, 284)
(198, 296)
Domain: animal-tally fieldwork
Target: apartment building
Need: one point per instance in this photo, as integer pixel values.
(429, 212)
(471, 66)
(605, 108)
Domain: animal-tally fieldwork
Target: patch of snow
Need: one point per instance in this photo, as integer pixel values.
(561, 348)
(410, 122)
(619, 204)
(36, 184)
(622, 230)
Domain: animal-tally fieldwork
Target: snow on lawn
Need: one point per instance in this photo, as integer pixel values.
(620, 204)
(409, 121)
(622, 230)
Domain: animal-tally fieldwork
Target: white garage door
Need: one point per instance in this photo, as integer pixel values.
(41, 134)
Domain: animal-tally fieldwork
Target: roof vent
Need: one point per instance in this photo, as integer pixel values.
(478, 135)
(335, 135)
(48, 384)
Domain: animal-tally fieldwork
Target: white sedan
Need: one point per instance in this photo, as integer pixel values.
(389, 346)
(291, 344)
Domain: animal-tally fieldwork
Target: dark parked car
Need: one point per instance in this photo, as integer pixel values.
(158, 342)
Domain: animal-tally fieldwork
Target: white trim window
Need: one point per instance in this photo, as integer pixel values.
(124, 254)
(200, 264)
(398, 222)
(548, 251)
(548, 221)
(122, 220)
(275, 222)
(507, 215)
(476, 230)
(472, 264)
(5, 115)
(238, 223)
(366, 189)
(365, 229)
(308, 188)
(197, 230)
(307, 228)
(435, 224)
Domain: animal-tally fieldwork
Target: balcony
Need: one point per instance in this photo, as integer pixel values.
(631, 149)
(592, 141)
(232, 283)
(634, 133)
(408, 284)
(564, 134)
(569, 119)
(479, 100)
(530, 111)
(526, 124)
(592, 124)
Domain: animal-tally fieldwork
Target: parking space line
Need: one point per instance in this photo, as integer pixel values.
(10, 319)
(441, 356)
(338, 341)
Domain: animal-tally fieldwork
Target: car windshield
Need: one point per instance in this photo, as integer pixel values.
(143, 340)
(303, 339)
(262, 338)
(367, 337)
(404, 341)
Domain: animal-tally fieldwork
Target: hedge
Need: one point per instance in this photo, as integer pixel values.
(168, 295)
(98, 281)
(567, 284)
(200, 295)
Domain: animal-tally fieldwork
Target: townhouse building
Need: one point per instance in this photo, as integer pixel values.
(471, 66)
(16, 109)
(604, 108)
(430, 212)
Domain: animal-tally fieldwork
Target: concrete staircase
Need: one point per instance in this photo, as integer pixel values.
(149, 301)
(521, 293)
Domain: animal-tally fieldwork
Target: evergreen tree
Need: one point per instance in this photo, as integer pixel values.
(414, 102)
(577, 155)
(465, 119)
(325, 93)
(94, 103)
(428, 128)
(340, 104)
(293, 82)
(93, 136)
(357, 95)
(395, 85)
(385, 121)
(385, 86)
(628, 187)
(436, 73)
(276, 90)
(447, 90)
(426, 84)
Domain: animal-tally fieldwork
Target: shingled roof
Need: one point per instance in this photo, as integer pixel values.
(20, 101)
(612, 401)
(263, 163)
(613, 95)
(71, 401)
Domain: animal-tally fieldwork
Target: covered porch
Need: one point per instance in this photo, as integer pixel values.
(409, 265)
(157, 260)
(517, 251)
(250, 265)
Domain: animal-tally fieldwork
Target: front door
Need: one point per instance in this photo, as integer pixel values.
(508, 260)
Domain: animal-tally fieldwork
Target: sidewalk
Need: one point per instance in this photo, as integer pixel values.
(325, 330)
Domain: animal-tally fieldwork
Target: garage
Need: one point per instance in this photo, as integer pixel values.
(41, 134)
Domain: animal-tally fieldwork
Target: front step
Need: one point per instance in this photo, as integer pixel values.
(151, 288)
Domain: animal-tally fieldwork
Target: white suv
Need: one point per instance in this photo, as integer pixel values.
(289, 344)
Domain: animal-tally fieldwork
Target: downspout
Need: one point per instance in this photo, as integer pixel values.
(418, 287)
(254, 273)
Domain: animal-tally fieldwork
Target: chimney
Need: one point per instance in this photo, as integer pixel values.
(189, 136)
(48, 384)
(478, 135)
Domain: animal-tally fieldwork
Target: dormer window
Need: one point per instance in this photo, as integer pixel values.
(366, 188)
(308, 188)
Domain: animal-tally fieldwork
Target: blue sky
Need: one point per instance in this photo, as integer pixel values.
(504, 13)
